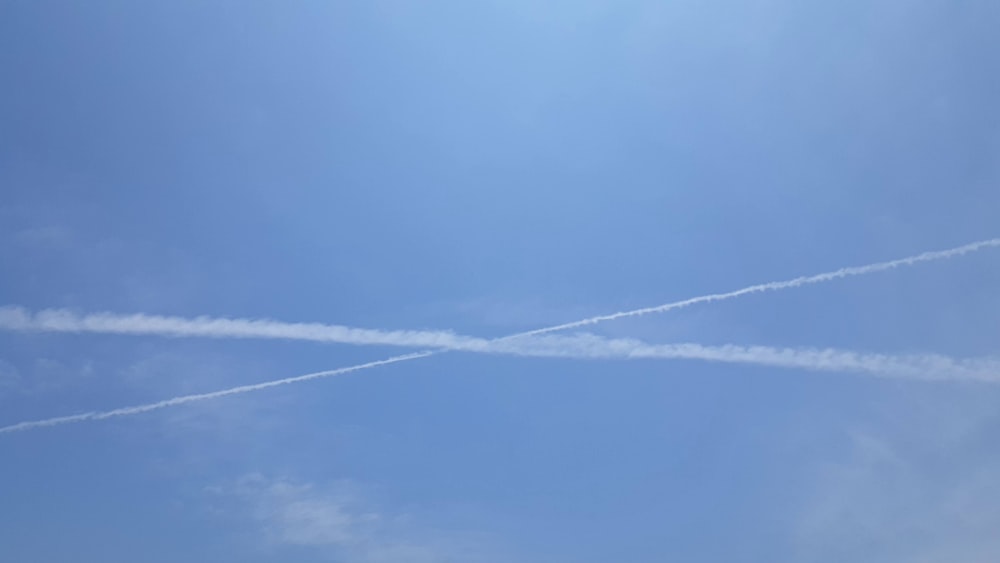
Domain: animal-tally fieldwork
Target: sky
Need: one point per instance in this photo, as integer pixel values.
(478, 169)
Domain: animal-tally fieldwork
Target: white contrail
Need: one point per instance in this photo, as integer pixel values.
(586, 346)
(59, 320)
(125, 411)
(912, 366)
(777, 285)
(16, 319)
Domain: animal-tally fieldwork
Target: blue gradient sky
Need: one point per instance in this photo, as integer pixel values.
(491, 167)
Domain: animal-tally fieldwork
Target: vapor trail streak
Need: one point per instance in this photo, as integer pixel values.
(932, 367)
(777, 285)
(126, 411)
(60, 320)
(585, 346)
(57, 320)
(849, 361)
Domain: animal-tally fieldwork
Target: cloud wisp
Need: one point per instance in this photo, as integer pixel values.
(337, 520)
(587, 346)
(18, 319)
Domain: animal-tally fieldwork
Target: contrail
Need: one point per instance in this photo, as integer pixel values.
(774, 357)
(777, 285)
(59, 320)
(126, 411)
(932, 367)
(587, 346)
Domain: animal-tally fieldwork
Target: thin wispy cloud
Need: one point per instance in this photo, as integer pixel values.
(588, 346)
(880, 488)
(338, 520)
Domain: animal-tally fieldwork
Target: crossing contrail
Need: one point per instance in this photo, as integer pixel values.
(588, 346)
(585, 346)
(60, 320)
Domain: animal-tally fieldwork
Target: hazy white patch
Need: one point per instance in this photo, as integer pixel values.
(338, 519)
(906, 493)
(299, 515)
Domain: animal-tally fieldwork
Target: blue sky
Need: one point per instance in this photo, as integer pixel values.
(493, 167)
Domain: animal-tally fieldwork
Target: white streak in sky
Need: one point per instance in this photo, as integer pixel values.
(587, 346)
(126, 411)
(778, 285)
(57, 320)
(60, 320)
(915, 366)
